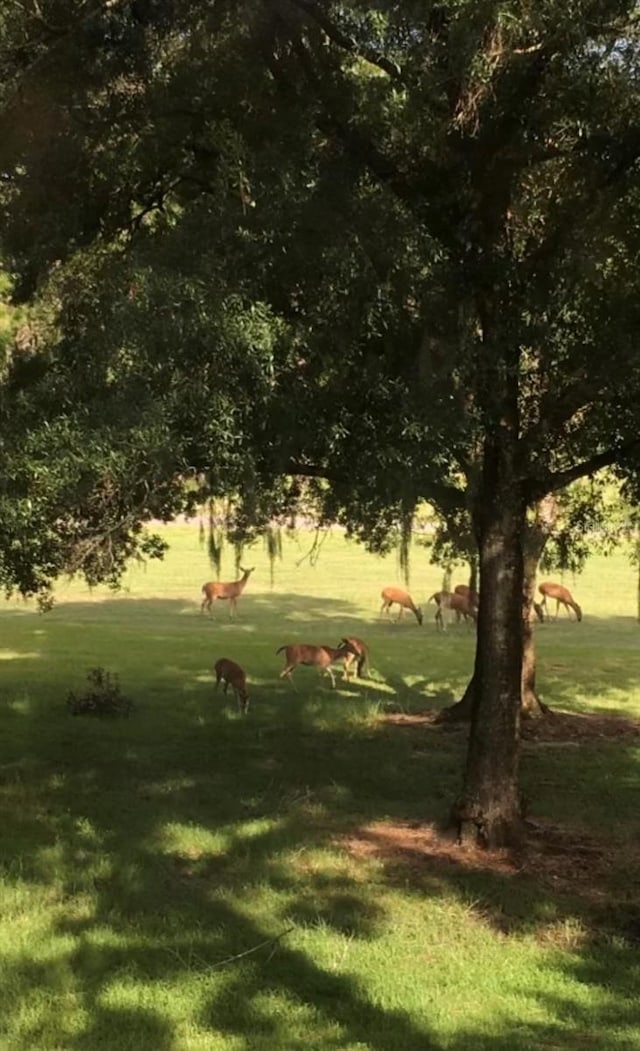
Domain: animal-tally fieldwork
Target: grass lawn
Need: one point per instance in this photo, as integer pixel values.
(191, 880)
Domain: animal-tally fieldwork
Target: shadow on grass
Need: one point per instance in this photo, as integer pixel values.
(199, 836)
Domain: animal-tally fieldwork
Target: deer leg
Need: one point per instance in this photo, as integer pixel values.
(286, 674)
(329, 672)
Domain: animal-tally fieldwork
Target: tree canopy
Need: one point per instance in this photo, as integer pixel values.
(393, 246)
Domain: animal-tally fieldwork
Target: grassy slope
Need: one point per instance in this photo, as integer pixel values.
(138, 855)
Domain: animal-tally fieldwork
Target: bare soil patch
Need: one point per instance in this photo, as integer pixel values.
(557, 726)
(571, 726)
(567, 860)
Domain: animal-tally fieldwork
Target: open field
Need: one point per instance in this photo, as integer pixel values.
(191, 880)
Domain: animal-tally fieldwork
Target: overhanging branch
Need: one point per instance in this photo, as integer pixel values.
(347, 43)
(555, 480)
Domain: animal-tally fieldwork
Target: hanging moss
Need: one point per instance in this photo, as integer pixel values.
(313, 554)
(273, 544)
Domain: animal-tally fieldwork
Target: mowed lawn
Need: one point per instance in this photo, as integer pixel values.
(191, 880)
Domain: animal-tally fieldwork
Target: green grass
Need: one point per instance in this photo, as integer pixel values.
(138, 855)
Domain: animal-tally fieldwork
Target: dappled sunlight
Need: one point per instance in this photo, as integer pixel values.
(19, 655)
(203, 878)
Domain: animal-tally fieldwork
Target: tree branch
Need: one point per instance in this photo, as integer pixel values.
(554, 480)
(347, 43)
(366, 154)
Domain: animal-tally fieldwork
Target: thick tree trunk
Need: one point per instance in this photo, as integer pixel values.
(488, 810)
(535, 538)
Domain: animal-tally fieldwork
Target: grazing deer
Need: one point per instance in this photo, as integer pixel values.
(538, 610)
(562, 596)
(214, 590)
(233, 675)
(320, 657)
(469, 593)
(359, 652)
(458, 604)
(402, 599)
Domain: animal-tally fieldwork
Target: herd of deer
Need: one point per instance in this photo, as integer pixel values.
(462, 602)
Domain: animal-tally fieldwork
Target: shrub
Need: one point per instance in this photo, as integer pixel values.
(103, 697)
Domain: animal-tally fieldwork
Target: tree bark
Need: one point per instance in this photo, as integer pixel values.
(488, 811)
(535, 538)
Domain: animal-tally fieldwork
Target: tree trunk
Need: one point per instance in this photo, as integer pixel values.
(473, 574)
(536, 536)
(531, 705)
(488, 811)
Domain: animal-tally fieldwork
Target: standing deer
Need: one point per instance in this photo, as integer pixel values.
(320, 657)
(458, 604)
(562, 596)
(233, 675)
(359, 653)
(214, 590)
(402, 599)
(469, 593)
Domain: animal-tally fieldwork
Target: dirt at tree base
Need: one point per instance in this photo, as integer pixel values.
(567, 860)
(557, 726)
(578, 727)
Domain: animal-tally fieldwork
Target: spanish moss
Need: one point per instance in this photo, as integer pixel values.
(273, 544)
(313, 554)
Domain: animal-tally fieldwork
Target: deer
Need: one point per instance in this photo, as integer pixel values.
(467, 592)
(402, 599)
(562, 596)
(214, 590)
(459, 604)
(320, 657)
(233, 675)
(359, 653)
